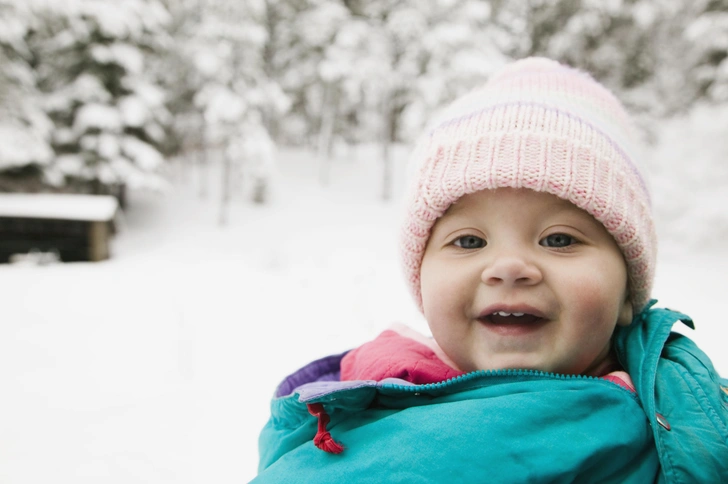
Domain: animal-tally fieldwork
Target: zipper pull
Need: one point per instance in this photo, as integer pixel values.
(323, 439)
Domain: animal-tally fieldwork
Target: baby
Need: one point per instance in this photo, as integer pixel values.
(530, 248)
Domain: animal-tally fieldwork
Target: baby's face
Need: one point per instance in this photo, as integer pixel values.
(513, 278)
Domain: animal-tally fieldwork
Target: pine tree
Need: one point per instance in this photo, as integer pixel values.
(108, 113)
(24, 127)
(708, 36)
(236, 96)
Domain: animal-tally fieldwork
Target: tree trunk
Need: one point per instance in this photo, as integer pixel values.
(202, 160)
(328, 116)
(225, 189)
(388, 128)
(386, 171)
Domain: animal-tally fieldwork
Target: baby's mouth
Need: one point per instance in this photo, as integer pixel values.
(506, 318)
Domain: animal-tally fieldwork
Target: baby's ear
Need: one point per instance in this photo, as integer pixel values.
(626, 313)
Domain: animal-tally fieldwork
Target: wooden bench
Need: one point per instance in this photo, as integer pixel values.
(75, 227)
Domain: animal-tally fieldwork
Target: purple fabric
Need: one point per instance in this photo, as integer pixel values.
(326, 369)
(323, 376)
(315, 390)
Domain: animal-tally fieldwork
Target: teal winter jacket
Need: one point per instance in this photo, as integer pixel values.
(509, 425)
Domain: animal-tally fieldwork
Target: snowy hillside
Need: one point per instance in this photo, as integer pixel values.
(158, 365)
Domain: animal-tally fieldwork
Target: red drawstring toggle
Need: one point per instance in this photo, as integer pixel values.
(323, 439)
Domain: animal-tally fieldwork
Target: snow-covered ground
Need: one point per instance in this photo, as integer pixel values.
(158, 365)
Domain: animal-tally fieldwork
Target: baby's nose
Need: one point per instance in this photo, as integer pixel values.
(511, 269)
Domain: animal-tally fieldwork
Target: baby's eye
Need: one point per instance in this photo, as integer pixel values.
(469, 242)
(557, 240)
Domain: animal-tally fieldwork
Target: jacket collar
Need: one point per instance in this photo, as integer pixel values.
(639, 345)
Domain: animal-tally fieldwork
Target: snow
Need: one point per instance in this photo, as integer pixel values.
(209, 61)
(62, 206)
(127, 21)
(143, 154)
(688, 168)
(71, 165)
(108, 145)
(20, 146)
(97, 116)
(134, 112)
(127, 56)
(85, 89)
(158, 364)
(148, 93)
(223, 105)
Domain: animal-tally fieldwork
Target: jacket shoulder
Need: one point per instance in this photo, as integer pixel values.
(683, 396)
(693, 405)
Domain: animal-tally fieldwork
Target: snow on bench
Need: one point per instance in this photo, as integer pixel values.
(74, 227)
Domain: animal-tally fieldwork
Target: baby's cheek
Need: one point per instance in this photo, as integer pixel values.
(438, 290)
(596, 289)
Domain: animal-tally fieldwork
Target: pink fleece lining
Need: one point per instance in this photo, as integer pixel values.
(392, 355)
(401, 352)
(622, 379)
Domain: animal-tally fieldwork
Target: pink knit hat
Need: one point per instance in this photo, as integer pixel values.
(540, 125)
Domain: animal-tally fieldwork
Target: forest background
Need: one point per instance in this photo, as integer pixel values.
(102, 97)
(260, 150)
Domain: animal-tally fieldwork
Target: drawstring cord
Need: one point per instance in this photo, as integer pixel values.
(323, 439)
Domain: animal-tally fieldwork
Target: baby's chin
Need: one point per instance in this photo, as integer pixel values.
(521, 365)
(538, 362)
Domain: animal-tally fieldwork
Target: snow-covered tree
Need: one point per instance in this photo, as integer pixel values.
(128, 82)
(298, 33)
(24, 127)
(389, 65)
(708, 37)
(602, 37)
(462, 45)
(236, 97)
(109, 114)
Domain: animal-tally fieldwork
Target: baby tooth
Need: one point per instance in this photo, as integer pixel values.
(503, 313)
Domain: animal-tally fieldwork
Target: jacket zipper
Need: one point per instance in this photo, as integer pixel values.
(486, 373)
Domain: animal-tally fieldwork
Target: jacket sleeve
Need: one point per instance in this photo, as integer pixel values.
(692, 409)
(681, 393)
